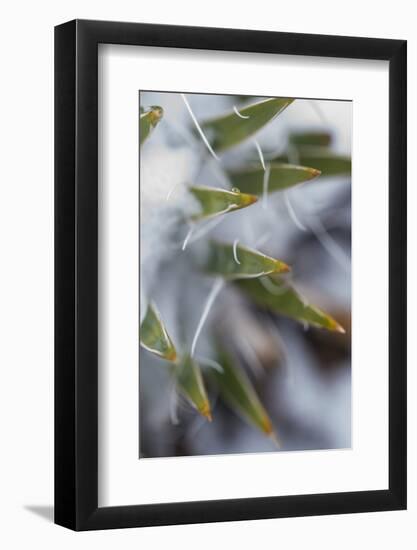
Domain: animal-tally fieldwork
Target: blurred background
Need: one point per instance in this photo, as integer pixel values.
(301, 374)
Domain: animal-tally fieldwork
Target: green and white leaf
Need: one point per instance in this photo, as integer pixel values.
(154, 336)
(327, 163)
(190, 384)
(310, 139)
(277, 177)
(214, 202)
(148, 121)
(235, 261)
(279, 296)
(238, 392)
(231, 129)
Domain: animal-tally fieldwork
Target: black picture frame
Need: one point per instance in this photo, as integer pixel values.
(76, 272)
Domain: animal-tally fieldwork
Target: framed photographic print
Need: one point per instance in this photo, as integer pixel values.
(230, 275)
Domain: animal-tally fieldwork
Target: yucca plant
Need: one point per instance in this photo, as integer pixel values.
(189, 214)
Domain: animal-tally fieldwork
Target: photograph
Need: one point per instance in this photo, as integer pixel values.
(245, 274)
(208, 234)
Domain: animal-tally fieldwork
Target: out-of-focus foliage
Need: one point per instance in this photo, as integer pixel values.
(238, 391)
(310, 139)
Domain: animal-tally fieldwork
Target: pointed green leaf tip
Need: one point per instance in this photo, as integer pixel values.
(279, 296)
(233, 128)
(280, 176)
(237, 390)
(215, 201)
(233, 261)
(154, 337)
(148, 120)
(327, 163)
(190, 383)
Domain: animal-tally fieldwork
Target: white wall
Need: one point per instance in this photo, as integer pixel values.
(26, 300)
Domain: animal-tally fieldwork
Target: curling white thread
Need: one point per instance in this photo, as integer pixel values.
(197, 125)
(261, 156)
(210, 363)
(187, 237)
(265, 186)
(217, 286)
(235, 243)
(292, 213)
(239, 114)
(329, 244)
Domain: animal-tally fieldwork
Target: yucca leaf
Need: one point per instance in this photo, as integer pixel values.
(219, 201)
(154, 337)
(277, 295)
(237, 99)
(229, 130)
(328, 163)
(148, 120)
(238, 392)
(233, 261)
(310, 139)
(280, 176)
(190, 383)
